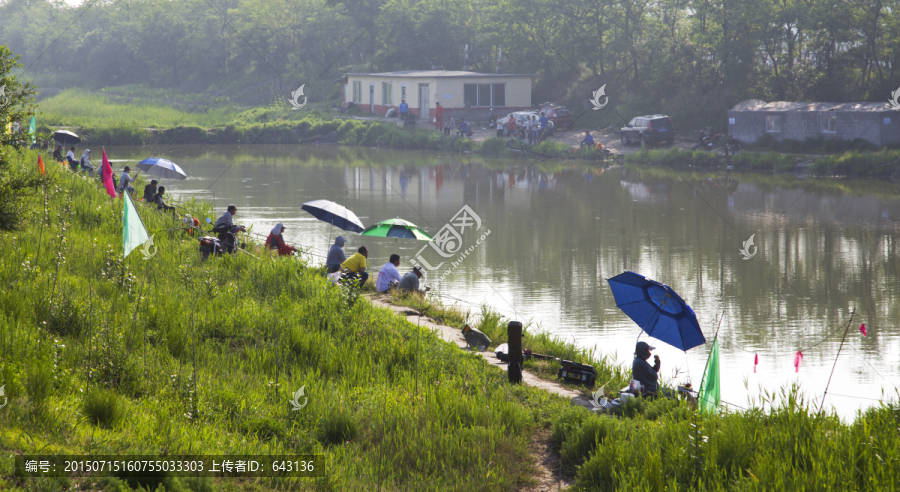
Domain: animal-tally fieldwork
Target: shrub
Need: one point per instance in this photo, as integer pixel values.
(492, 146)
(101, 407)
(337, 427)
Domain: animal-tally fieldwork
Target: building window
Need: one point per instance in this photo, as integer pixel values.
(484, 95)
(773, 123)
(470, 95)
(386, 99)
(828, 123)
(402, 92)
(357, 91)
(499, 91)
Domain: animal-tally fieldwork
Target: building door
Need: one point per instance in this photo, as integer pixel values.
(372, 98)
(423, 101)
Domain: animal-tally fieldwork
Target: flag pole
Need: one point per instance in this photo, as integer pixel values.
(706, 366)
(822, 403)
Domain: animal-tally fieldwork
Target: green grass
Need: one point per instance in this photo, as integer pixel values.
(109, 356)
(202, 357)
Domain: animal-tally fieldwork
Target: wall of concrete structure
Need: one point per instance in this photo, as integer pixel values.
(879, 128)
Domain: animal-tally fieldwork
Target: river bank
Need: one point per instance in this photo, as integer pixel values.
(206, 355)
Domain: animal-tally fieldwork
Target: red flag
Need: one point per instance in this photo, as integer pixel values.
(755, 361)
(798, 358)
(106, 173)
(41, 164)
(862, 329)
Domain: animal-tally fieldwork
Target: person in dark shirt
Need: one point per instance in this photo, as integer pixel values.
(160, 201)
(642, 371)
(150, 191)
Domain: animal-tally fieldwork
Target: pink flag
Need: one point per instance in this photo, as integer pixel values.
(862, 329)
(106, 173)
(797, 360)
(755, 361)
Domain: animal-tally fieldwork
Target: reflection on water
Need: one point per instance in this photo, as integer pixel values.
(558, 231)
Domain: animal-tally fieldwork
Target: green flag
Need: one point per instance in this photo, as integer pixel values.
(134, 233)
(32, 129)
(710, 388)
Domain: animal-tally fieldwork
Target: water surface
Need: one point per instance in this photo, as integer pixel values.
(823, 248)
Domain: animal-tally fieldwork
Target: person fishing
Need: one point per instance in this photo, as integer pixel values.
(57, 154)
(227, 230)
(336, 255)
(86, 165)
(275, 241)
(150, 191)
(70, 157)
(642, 371)
(588, 140)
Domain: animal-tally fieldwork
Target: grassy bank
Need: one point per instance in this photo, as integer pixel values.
(882, 163)
(173, 355)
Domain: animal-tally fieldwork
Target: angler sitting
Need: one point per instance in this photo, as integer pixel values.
(226, 229)
(355, 266)
(276, 242)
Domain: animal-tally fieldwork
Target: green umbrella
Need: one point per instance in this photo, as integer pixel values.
(396, 228)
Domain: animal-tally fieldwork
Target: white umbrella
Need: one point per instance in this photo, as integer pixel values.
(164, 168)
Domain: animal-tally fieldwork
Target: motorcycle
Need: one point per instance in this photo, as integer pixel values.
(705, 142)
(410, 120)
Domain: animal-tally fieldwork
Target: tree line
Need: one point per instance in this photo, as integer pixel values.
(688, 58)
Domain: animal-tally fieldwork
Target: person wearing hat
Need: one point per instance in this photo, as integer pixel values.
(410, 281)
(642, 371)
(125, 181)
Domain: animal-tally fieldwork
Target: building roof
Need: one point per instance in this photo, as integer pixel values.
(757, 105)
(436, 74)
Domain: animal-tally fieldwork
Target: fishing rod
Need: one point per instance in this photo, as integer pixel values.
(822, 403)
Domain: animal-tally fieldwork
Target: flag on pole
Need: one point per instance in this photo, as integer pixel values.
(862, 329)
(755, 361)
(798, 358)
(41, 164)
(106, 174)
(710, 389)
(32, 129)
(134, 233)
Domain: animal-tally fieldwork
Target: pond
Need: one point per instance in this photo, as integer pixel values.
(538, 241)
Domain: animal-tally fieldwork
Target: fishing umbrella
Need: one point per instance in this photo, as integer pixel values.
(397, 229)
(657, 309)
(164, 168)
(335, 214)
(66, 137)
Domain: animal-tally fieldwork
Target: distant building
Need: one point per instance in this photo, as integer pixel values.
(878, 123)
(460, 93)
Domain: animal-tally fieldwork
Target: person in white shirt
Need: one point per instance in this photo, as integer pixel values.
(388, 276)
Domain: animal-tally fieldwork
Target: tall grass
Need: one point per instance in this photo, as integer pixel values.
(202, 357)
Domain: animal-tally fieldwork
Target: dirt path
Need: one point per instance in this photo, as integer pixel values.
(545, 459)
(455, 336)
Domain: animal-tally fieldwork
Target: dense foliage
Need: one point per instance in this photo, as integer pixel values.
(688, 58)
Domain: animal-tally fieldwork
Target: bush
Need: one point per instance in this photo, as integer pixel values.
(492, 146)
(101, 407)
(337, 427)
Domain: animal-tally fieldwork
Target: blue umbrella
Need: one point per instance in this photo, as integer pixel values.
(657, 309)
(164, 168)
(335, 214)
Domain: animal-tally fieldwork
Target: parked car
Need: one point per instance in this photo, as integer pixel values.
(560, 116)
(647, 130)
(520, 120)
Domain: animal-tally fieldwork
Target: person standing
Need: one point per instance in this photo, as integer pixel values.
(438, 116)
(450, 126)
(86, 163)
(512, 126)
(404, 110)
(388, 275)
(500, 125)
(543, 126)
(336, 255)
(355, 266)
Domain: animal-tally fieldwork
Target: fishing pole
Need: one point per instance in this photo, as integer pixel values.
(822, 403)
